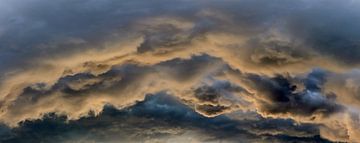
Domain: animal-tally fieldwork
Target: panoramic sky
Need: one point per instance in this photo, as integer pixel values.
(175, 71)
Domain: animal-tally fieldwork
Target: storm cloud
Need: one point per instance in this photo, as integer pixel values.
(169, 71)
(161, 118)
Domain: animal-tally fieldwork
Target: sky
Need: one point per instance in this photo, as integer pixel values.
(175, 71)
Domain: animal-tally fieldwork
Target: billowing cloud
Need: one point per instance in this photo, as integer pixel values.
(291, 64)
(161, 118)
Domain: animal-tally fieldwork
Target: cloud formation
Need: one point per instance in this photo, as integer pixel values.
(291, 64)
(161, 118)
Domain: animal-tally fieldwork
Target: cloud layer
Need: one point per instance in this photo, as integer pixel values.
(292, 68)
(162, 118)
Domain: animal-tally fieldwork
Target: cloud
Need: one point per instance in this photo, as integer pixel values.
(279, 95)
(160, 118)
(283, 61)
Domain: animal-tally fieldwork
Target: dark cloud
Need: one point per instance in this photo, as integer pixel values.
(62, 61)
(159, 117)
(279, 95)
(213, 100)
